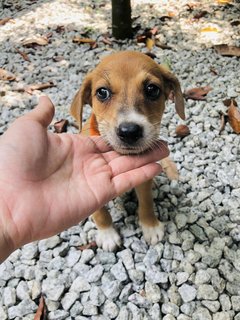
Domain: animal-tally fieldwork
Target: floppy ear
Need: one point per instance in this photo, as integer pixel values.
(82, 97)
(173, 84)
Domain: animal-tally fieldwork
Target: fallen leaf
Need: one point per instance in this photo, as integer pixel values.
(60, 29)
(90, 245)
(226, 50)
(200, 14)
(224, 119)
(35, 40)
(162, 46)
(214, 71)
(234, 116)
(81, 40)
(154, 31)
(41, 313)
(29, 89)
(198, 93)
(107, 41)
(209, 29)
(61, 126)
(23, 54)
(6, 75)
(228, 102)
(150, 43)
(4, 21)
(224, 1)
(164, 18)
(151, 55)
(58, 58)
(182, 130)
(235, 23)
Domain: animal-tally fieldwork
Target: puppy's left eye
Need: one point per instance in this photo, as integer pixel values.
(103, 94)
(152, 91)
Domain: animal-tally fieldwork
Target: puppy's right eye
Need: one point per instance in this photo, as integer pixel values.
(103, 94)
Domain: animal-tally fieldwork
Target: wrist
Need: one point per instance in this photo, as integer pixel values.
(6, 243)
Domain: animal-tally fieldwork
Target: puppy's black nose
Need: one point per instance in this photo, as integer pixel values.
(129, 132)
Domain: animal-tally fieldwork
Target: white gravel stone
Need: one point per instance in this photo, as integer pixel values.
(96, 296)
(80, 285)
(206, 292)
(119, 271)
(110, 310)
(69, 299)
(170, 308)
(153, 292)
(188, 293)
(22, 309)
(22, 291)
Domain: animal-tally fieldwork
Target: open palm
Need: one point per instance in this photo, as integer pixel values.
(49, 182)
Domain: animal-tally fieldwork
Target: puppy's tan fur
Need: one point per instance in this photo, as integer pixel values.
(125, 74)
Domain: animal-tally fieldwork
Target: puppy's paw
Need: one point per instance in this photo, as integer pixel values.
(108, 239)
(153, 235)
(170, 168)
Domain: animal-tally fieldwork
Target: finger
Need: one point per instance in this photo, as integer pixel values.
(125, 163)
(43, 112)
(128, 180)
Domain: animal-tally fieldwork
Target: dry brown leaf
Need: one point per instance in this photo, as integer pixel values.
(228, 102)
(61, 126)
(29, 89)
(41, 313)
(224, 1)
(200, 14)
(214, 71)
(6, 75)
(197, 93)
(23, 54)
(224, 119)
(154, 31)
(182, 130)
(5, 20)
(60, 29)
(150, 43)
(234, 116)
(107, 41)
(90, 245)
(151, 55)
(226, 50)
(35, 40)
(209, 29)
(81, 40)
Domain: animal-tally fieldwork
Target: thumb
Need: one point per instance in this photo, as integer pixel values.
(43, 113)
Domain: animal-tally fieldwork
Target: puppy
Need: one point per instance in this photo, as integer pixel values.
(127, 92)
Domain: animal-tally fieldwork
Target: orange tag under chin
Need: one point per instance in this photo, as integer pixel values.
(93, 126)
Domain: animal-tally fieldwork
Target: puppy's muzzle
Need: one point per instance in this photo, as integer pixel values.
(129, 132)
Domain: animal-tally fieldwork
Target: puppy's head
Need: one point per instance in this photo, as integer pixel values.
(127, 92)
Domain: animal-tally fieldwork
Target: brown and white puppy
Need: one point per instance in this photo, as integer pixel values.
(127, 92)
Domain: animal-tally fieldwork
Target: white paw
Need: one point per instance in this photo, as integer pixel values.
(170, 168)
(108, 239)
(153, 235)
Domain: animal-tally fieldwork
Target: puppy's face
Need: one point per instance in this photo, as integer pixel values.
(127, 92)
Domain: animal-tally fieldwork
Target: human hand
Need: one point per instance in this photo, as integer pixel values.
(49, 181)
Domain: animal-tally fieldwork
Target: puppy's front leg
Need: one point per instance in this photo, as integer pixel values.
(170, 168)
(107, 237)
(153, 229)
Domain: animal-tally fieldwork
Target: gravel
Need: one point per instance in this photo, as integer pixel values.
(194, 273)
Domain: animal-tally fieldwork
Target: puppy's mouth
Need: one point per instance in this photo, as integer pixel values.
(130, 137)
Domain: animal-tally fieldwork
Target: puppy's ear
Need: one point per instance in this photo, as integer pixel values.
(82, 97)
(173, 84)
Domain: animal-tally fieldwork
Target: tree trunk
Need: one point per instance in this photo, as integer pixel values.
(121, 19)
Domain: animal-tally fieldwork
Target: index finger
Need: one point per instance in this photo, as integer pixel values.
(124, 163)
